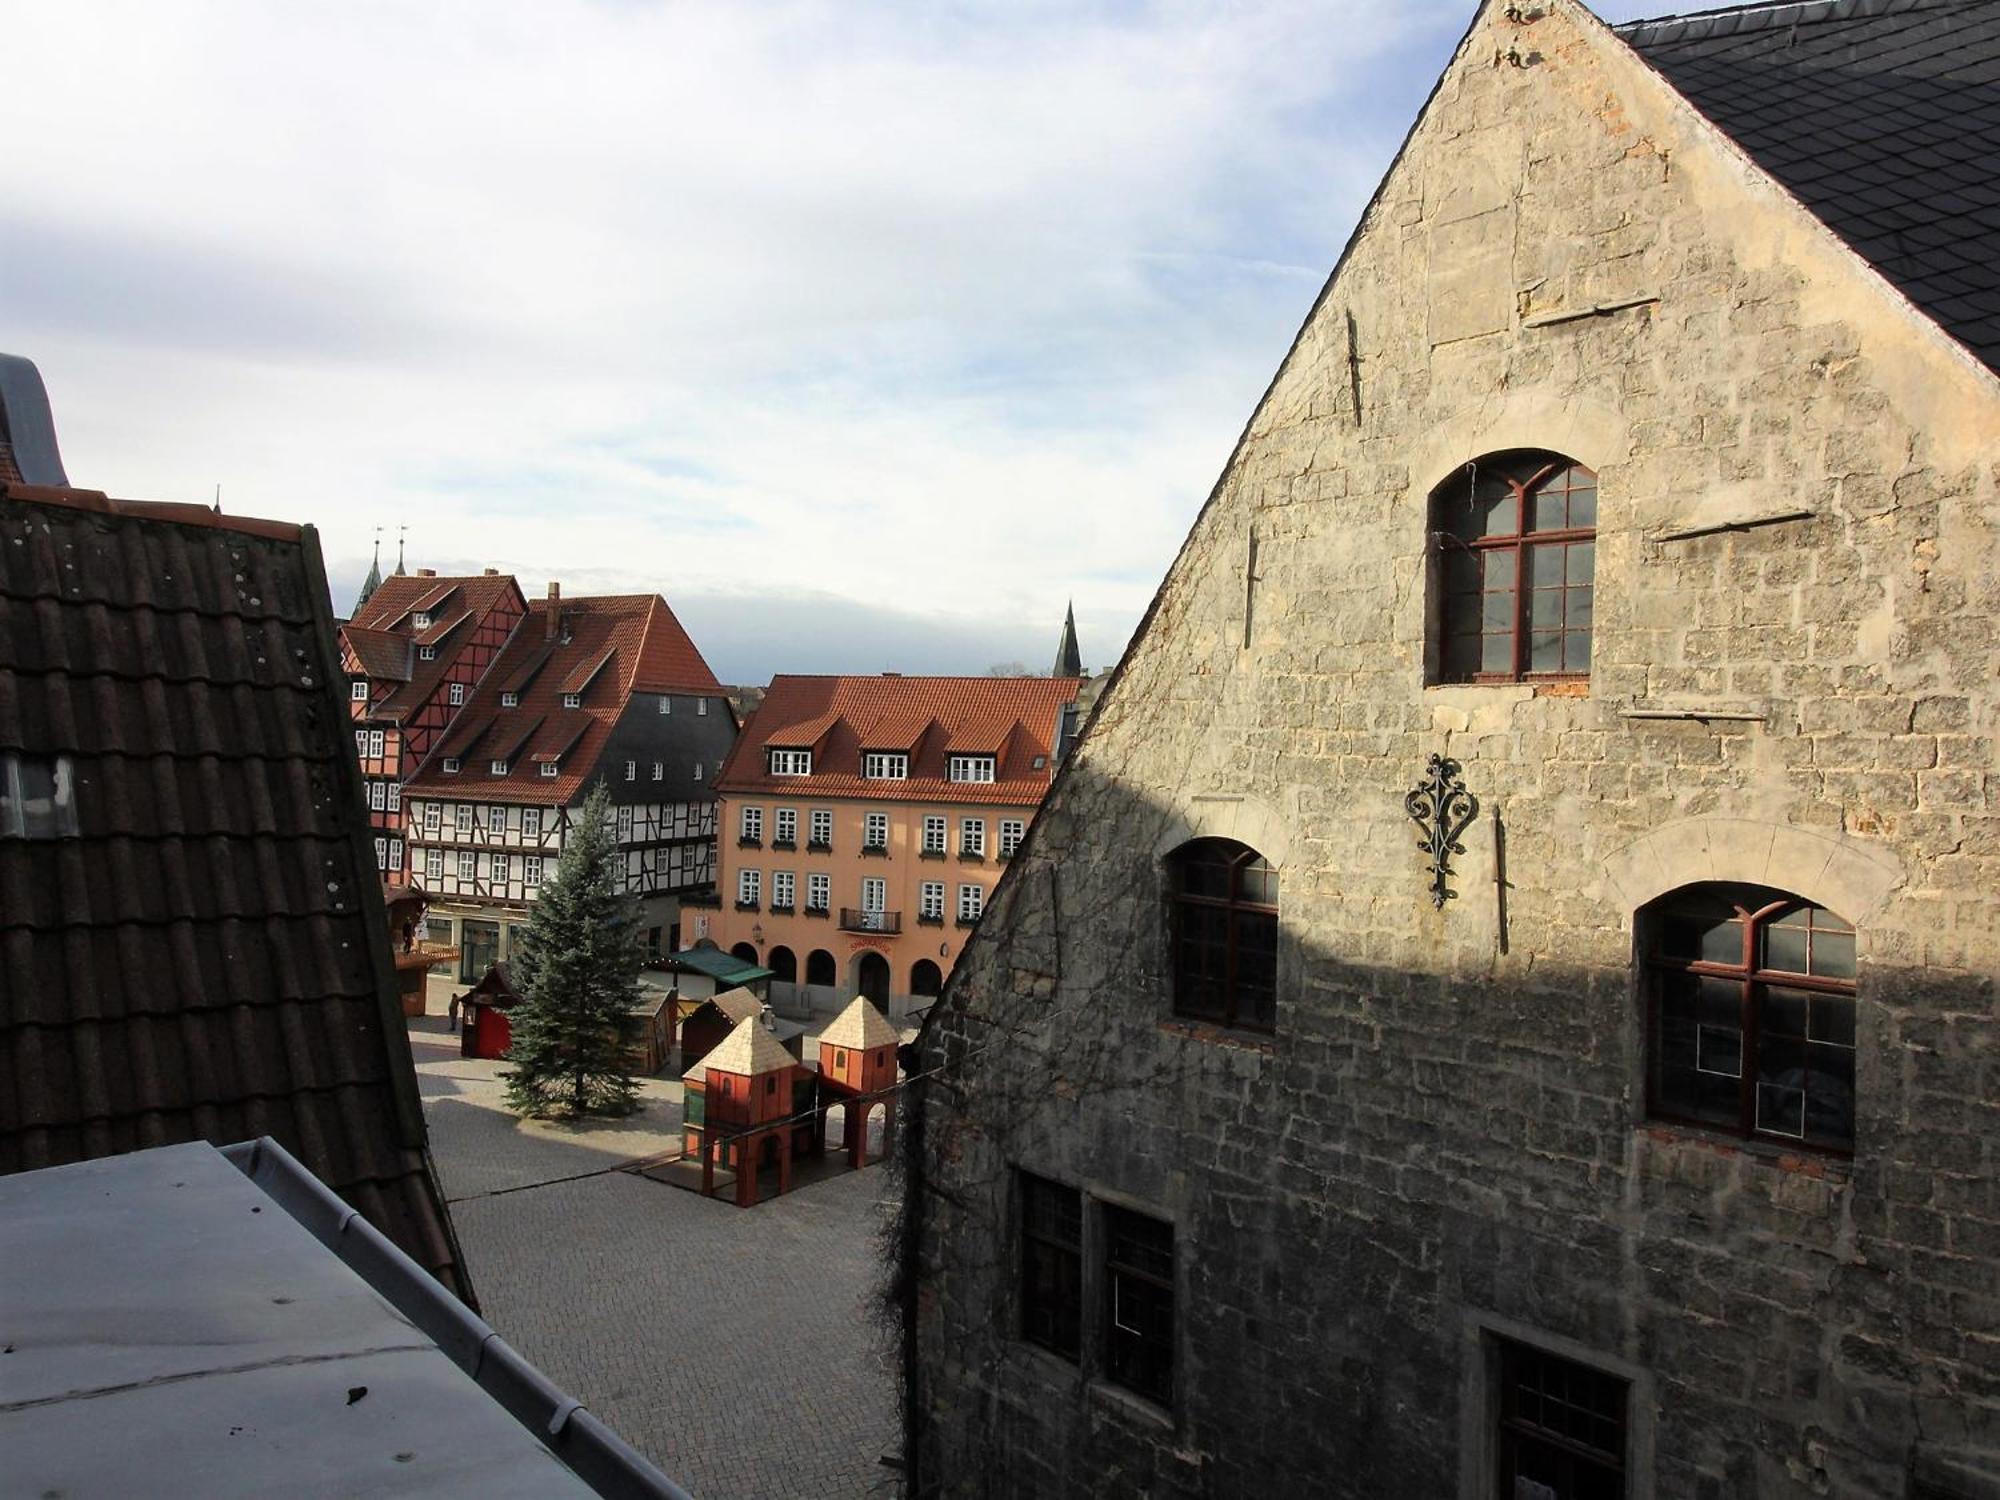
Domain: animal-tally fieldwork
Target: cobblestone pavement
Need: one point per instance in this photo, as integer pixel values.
(738, 1349)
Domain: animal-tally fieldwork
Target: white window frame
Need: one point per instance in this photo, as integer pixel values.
(361, 744)
(930, 900)
(631, 770)
(874, 893)
(782, 887)
(510, 700)
(625, 824)
(1012, 831)
(451, 765)
(791, 762)
(358, 691)
(659, 770)
(785, 825)
(701, 706)
(550, 769)
(697, 770)
(822, 826)
(395, 796)
(970, 767)
(381, 854)
(936, 829)
(461, 817)
(972, 836)
(503, 869)
(819, 891)
(427, 653)
(396, 854)
(572, 700)
(468, 865)
(456, 694)
(531, 822)
(433, 817)
(378, 797)
(496, 821)
(434, 864)
(884, 765)
(421, 621)
(871, 824)
(378, 744)
(750, 823)
(749, 887)
(971, 902)
(666, 704)
(497, 767)
(531, 870)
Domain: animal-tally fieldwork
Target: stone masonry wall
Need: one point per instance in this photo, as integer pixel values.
(1447, 1134)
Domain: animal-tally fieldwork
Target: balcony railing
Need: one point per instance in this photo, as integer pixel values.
(870, 921)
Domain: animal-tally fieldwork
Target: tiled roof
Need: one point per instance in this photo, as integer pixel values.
(621, 642)
(1013, 717)
(860, 1027)
(389, 615)
(748, 1050)
(208, 958)
(1881, 116)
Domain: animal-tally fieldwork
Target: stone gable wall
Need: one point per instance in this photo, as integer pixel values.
(1447, 1133)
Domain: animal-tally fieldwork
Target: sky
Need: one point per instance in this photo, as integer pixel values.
(871, 334)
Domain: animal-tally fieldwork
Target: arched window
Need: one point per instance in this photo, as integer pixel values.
(745, 952)
(783, 964)
(1515, 537)
(1224, 898)
(820, 968)
(1750, 1014)
(925, 978)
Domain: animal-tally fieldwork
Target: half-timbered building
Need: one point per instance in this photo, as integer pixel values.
(415, 650)
(596, 689)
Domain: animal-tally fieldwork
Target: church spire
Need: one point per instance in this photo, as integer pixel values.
(374, 579)
(400, 530)
(1069, 660)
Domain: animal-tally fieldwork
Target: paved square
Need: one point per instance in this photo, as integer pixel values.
(736, 1348)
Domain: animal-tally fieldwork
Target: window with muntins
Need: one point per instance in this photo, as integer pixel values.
(791, 762)
(930, 900)
(972, 836)
(531, 822)
(934, 835)
(1139, 1303)
(531, 869)
(785, 825)
(748, 886)
(359, 692)
(1224, 916)
(1052, 1265)
(1515, 540)
(510, 700)
(875, 831)
(466, 865)
(1561, 1427)
(819, 893)
(1750, 1014)
(1012, 831)
(434, 863)
(431, 815)
(879, 766)
(462, 818)
(971, 901)
(822, 827)
(753, 823)
(970, 767)
(572, 700)
(457, 694)
(781, 888)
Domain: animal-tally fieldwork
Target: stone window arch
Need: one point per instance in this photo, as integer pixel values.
(1223, 933)
(1514, 547)
(1750, 1013)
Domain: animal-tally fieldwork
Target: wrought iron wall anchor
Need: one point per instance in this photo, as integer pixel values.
(1443, 809)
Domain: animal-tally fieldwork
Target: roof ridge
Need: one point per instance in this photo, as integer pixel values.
(1775, 12)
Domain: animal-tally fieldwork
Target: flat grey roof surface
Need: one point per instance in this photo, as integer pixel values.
(170, 1329)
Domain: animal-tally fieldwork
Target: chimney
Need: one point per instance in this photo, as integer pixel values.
(427, 572)
(552, 617)
(489, 572)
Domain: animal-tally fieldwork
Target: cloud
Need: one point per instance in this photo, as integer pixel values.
(940, 312)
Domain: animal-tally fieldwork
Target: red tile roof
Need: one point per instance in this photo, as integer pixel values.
(1014, 718)
(389, 615)
(618, 643)
(208, 957)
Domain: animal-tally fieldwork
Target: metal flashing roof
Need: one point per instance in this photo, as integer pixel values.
(191, 1321)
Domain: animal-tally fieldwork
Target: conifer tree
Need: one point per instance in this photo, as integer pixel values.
(578, 974)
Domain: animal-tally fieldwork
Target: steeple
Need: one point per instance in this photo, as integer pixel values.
(1069, 660)
(399, 550)
(374, 579)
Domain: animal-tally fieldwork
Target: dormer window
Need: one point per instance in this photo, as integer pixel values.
(510, 700)
(971, 767)
(572, 700)
(37, 797)
(421, 620)
(359, 692)
(451, 765)
(877, 765)
(549, 768)
(498, 767)
(427, 653)
(791, 762)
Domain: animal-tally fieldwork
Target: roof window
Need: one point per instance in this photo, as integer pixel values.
(37, 797)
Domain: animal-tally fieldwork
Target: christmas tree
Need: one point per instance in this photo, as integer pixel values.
(578, 974)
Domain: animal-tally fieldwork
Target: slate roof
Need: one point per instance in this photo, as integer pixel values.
(619, 643)
(208, 957)
(382, 636)
(1881, 116)
(840, 718)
